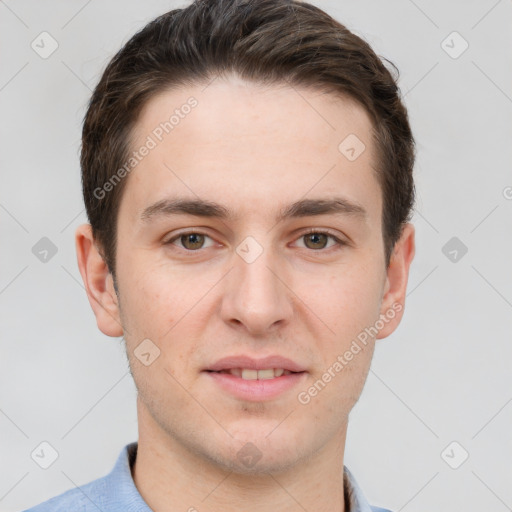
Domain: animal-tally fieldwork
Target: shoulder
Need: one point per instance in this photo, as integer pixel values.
(378, 509)
(86, 498)
(114, 491)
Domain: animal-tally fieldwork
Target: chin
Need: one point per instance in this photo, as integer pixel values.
(260, 462)
(265, 451)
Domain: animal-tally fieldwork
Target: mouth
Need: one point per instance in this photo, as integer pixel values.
(247, 365)
(252, 374)
(252, 379)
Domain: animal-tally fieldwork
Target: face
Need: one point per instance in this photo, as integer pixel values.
(269, 253)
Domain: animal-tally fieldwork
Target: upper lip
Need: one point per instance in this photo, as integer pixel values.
(243, 361)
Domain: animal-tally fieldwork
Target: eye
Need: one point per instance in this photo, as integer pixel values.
(317, 240)
(314, 239)
(190, 241)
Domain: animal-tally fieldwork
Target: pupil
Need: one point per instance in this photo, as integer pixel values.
(193, 239)
(315, 236)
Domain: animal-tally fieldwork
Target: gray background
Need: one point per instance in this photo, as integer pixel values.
(443, 376)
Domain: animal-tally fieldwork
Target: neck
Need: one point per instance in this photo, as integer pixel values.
(169, 476)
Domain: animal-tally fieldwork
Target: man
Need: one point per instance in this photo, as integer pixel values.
(247, 174)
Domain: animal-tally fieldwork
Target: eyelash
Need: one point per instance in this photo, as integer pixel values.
(339, 243)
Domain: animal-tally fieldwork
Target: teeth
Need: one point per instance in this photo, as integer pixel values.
(265, 374)
(249, 374)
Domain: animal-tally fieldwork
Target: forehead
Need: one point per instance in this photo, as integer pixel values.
(251, 146)
(228, 109)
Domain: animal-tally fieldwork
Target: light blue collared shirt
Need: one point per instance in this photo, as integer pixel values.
(116, 492)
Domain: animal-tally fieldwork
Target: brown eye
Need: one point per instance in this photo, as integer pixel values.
(192, 241)
(319, 241)
(316, 240)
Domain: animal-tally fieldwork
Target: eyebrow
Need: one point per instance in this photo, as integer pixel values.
(203, 208)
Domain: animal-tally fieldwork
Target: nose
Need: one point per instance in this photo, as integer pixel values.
(256, 297)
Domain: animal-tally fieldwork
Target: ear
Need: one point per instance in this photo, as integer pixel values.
(393, 300)
(98, 282)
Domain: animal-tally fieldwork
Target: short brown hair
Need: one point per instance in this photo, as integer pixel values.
(266, 42)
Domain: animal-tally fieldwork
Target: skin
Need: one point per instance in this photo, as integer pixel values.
(254, 150)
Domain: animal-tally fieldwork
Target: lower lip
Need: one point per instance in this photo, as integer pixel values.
(256, 390)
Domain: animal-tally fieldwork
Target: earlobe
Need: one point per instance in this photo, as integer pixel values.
(98, 282)
(393, 301)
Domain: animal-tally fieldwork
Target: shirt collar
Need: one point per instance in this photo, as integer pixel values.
(120, 482)
(120, 490)
(354, 498)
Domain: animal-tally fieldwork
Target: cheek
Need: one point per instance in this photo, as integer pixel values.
(345, 302)
(153, 295)
(162, 306)
(142, 305)
(332, 393)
